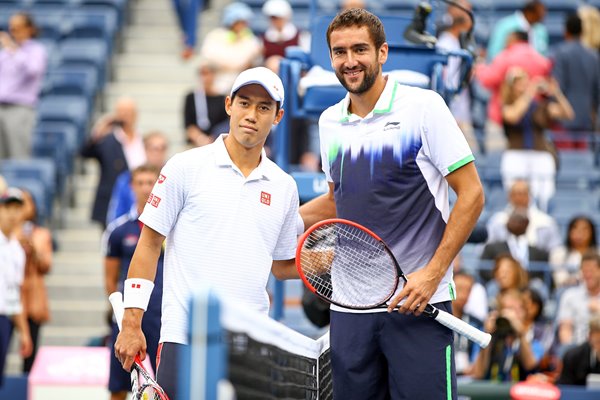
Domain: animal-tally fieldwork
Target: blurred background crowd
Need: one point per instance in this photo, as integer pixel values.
(95, 93)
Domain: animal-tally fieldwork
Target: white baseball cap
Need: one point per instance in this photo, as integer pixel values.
(277, 8)
(261, 76)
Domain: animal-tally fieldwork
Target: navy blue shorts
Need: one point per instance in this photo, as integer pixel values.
(167, 375)
(391, 356)
(6, 328)
(120, 380)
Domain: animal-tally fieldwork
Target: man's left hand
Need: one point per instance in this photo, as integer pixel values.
(418, 290)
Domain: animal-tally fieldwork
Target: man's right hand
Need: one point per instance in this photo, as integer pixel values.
(130, 342)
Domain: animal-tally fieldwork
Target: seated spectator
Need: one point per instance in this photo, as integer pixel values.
(529, 107)
(204, 113)
(117, 146)
(529, 20)
(584, 359)
(542, 231)
(122, 199)
(465, 351)
(231, 48)
(477, 303)
(516, 243)
(281, 33)
(507, 274)
(518, 53)
(22, 67)
(577, 71)
(566, 260)
(458, 23)
(539, 329)
(37, 243)
(511, 356)
(578, 304)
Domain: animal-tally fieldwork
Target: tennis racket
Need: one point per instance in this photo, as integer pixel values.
(346, 264)
(143, 386)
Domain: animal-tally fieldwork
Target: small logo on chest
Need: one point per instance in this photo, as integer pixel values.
(391, 125)
(265, 198)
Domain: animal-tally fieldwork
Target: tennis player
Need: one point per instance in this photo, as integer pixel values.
(229, 217)
(120, 240)
(389, 152)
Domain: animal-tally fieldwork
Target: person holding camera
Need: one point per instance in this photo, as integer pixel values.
(529, 107)
(117, 146)
(513, 353)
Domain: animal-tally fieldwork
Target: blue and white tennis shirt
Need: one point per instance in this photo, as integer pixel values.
(389, 170)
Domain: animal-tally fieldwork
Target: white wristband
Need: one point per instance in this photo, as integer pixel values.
(299, 225)
(136, 293)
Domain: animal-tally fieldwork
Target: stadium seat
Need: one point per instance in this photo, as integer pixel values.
(120, 6)
(72, 109)
(81, 80)
(98, 22)
(576, 160)
(94, 52)
(38, 192)
(63, 134)
(41, 170)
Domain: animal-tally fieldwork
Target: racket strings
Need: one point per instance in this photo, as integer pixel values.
(349, 266)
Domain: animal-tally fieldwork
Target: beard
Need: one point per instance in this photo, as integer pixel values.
(367, 82)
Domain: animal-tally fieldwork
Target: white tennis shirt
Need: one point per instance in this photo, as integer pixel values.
(222, 229)
(12, 273)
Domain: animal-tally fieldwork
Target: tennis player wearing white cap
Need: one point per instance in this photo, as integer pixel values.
(228, 214)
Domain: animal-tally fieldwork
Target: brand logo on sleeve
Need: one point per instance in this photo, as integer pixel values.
(150, 198)
(161, 178)
(265, 198)
(155, 201)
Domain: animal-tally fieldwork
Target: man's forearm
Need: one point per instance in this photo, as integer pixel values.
(318, 209)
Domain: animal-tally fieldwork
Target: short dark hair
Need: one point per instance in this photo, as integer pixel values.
(531, 6)
(358, 17)
(521, 36)
(145, 168)
(591, 255)
(573, 25)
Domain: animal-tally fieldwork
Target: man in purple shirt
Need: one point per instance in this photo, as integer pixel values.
(22, 69)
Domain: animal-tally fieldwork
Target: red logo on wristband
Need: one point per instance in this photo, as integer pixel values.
(136, 285)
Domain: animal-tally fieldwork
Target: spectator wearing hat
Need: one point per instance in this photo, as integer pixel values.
(22, 68)
(233, 47)
(281, 33)
(12, 272)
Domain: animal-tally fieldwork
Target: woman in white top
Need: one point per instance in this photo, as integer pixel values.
(566, 260)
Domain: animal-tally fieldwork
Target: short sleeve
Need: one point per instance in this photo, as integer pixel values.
(565, 308)
(113, 245)
(167, 198)
(443, 141)
(325, 149)
(286, 244)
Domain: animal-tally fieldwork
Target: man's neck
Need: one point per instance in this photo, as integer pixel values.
(243, 158)
(6, 231)
(362, 104)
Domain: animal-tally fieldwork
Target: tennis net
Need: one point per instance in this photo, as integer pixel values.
(259, 358)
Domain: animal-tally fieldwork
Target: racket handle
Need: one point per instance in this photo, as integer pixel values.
(461, 327)
(116, 301)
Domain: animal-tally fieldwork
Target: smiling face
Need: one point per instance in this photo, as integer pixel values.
(355, 59)
(253, 113)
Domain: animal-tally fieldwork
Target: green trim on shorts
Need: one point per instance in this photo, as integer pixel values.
(451, 289)
(461, 163)
(449, 372)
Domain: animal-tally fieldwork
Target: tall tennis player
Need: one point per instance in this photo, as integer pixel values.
(389, 153)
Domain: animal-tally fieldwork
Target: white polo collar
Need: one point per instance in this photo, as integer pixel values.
(222, 159)
(383, 105)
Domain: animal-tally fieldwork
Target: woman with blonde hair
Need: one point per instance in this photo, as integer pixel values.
(590, 20)
(529, 107)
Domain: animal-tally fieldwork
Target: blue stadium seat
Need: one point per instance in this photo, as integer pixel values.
(94, 52)
(61, 134)
(576, 160)
(41, 170)
(72, 109)
(80, 80)
(38, 192)
(98, 22)
(120, 6)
